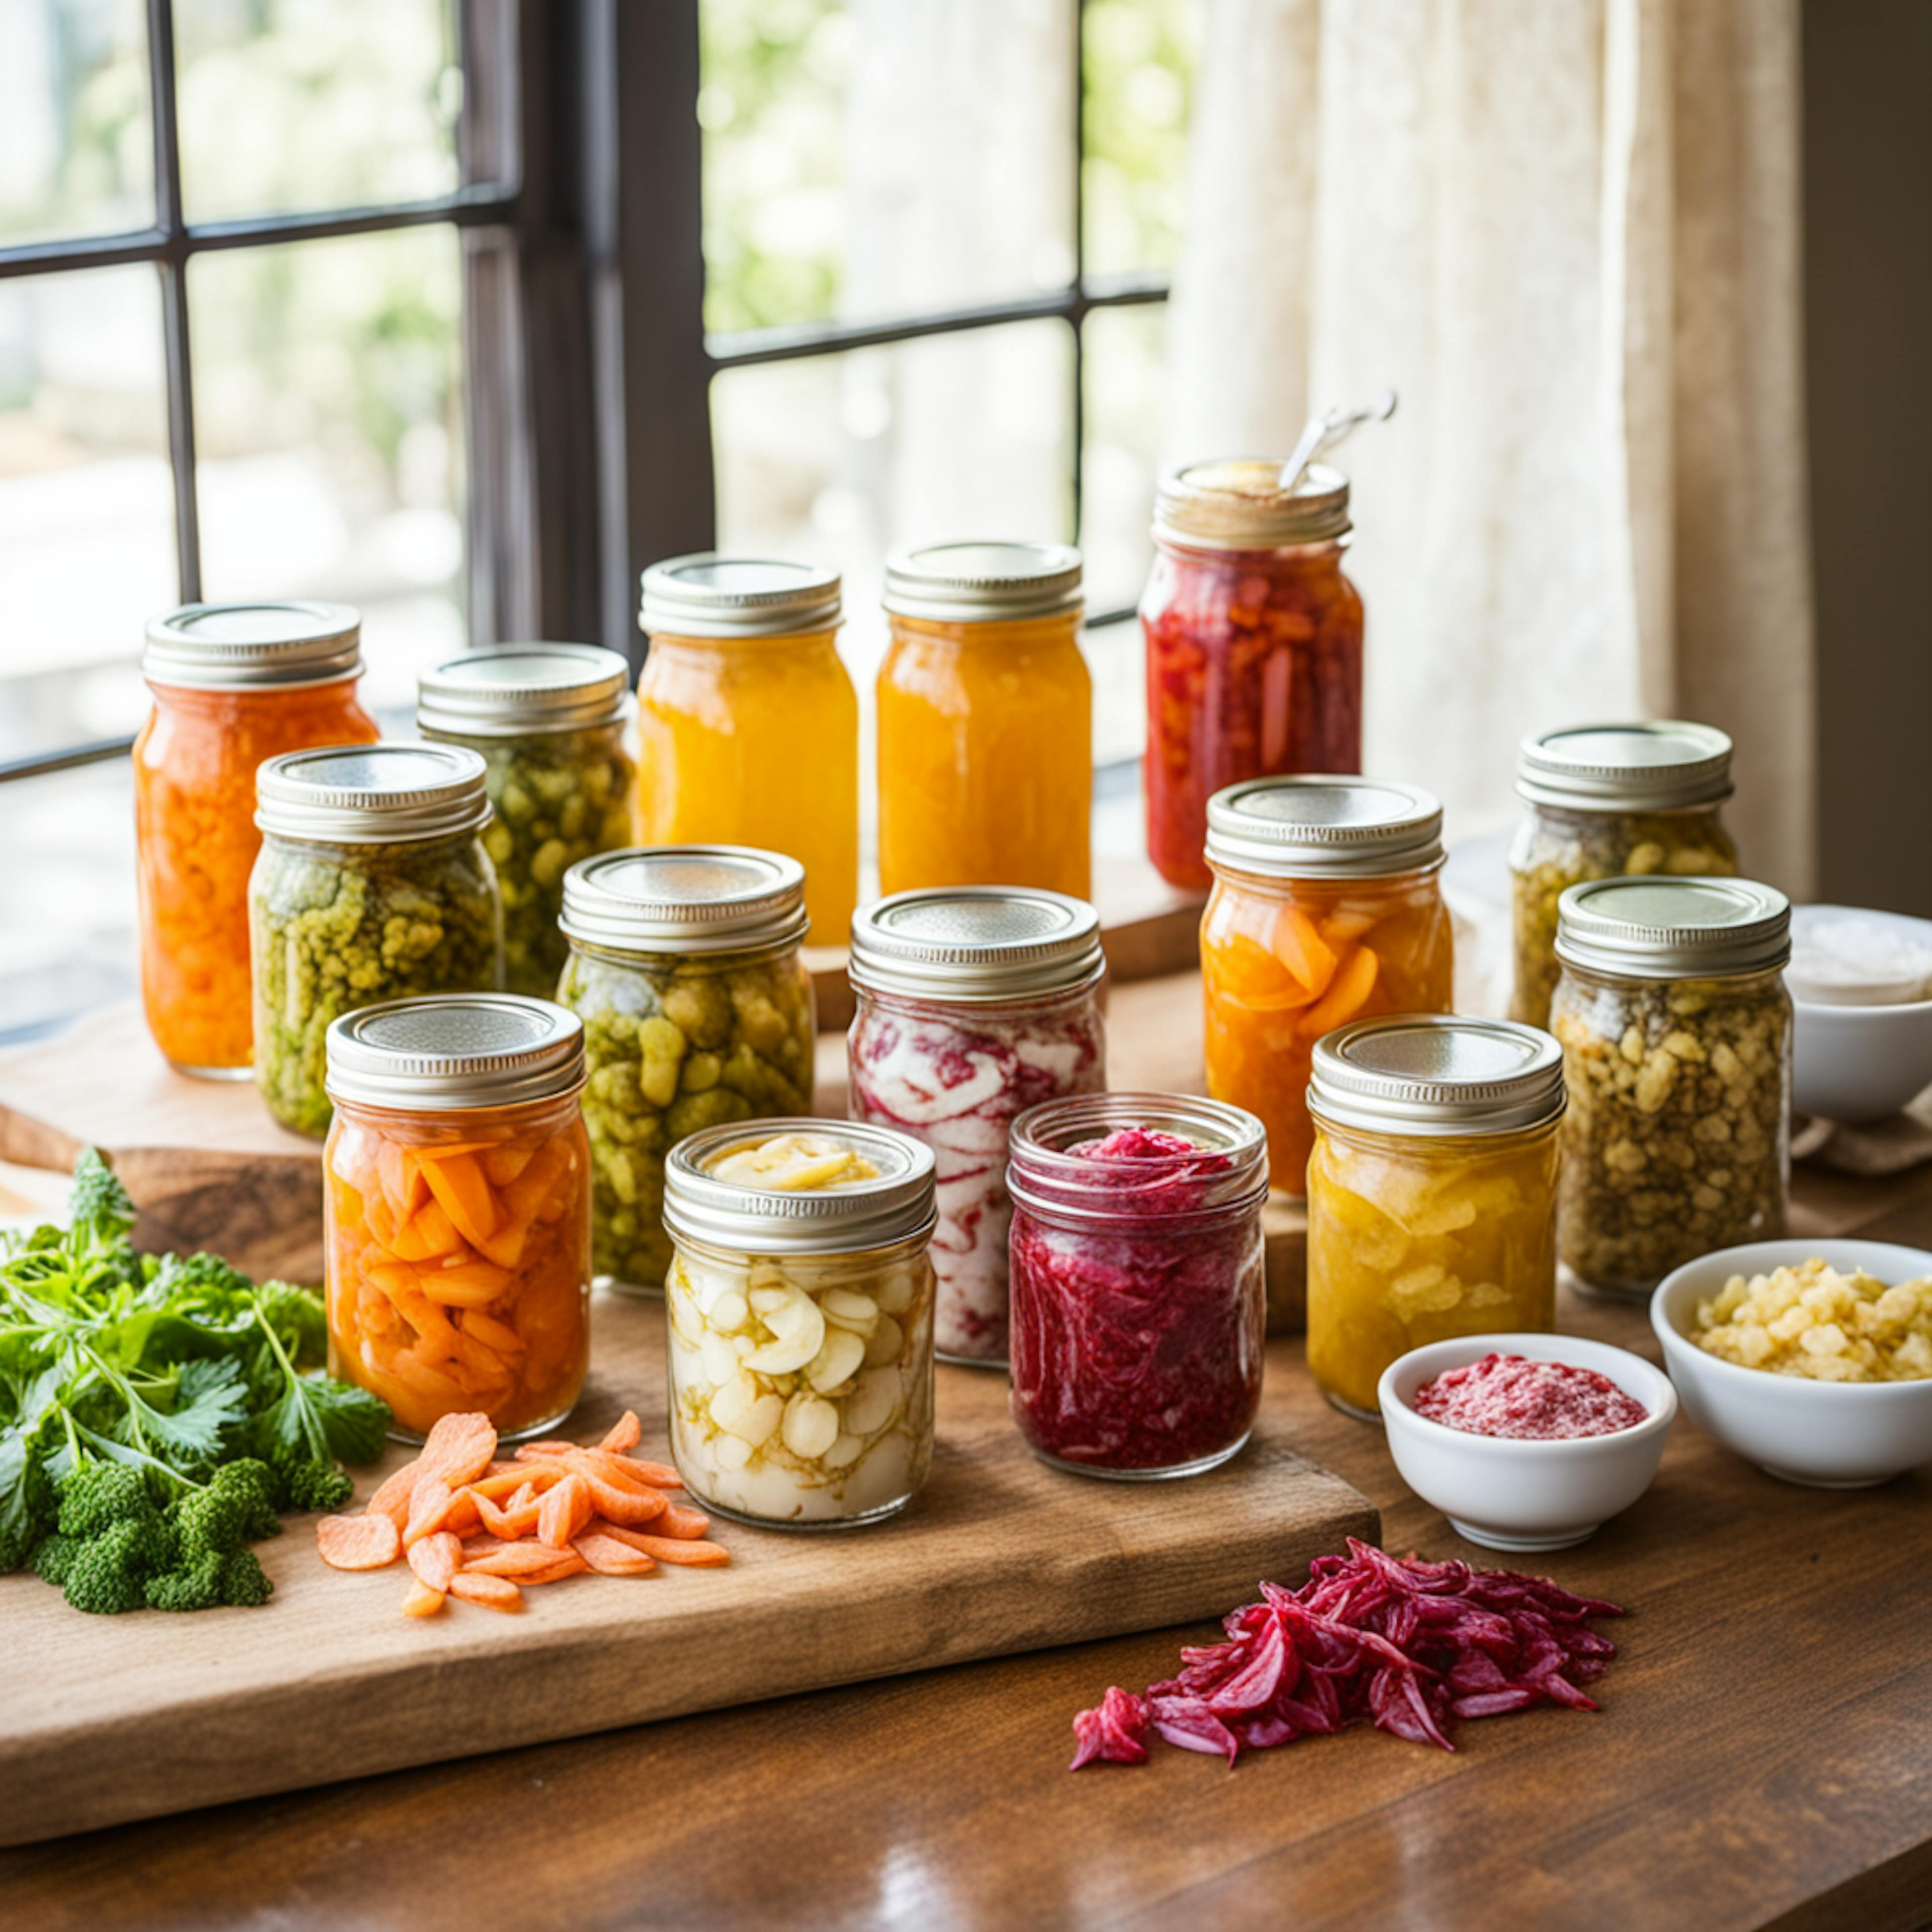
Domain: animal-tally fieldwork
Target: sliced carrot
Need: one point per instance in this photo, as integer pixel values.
(499, 1484)
(1347, 994)
(503, 1164)
(436, 1559)
(520, 1561)
(458, 1183)
(619, 1501)
(357, 1542)
(392, 1498)
(429, 1505)
(465, 1517)
(493, 1593)
(609, 1556)
(543, 1452)
(465, 1284)
(659, 1475)
(500, 1521)
(565, 1510)
(460, 1447)
(404, 1187)
(626, 1433)
(1297, 942)
(686, 1524)
(422, 1601)
(675, 1549)
(495, 1334)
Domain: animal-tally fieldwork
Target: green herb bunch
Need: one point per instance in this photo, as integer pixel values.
(156, 1412)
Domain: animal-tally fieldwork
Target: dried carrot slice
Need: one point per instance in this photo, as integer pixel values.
(422, 1601)
(626, 1433)
(499, 1484)
(658, 1475)
(685, 1524)
(429, 1509)
(565, 1510)
(436, 1559)
(543, 1452)
(609, 1556)
(618, 1501)
(493, 1593)
(520, 1561)
(357, 1542)
(693, 1556)
(392, 1498)
(460, 1447)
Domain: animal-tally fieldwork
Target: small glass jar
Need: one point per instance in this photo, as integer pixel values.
(1432, 1193)
(698, 1012)
(973, 1004)
(233, 684)
(799, 1308)
(1139, 1294)
(985, 720)
(1609, 801)
(1254, 644)
(1326, 907)
(552, 723)
(1675, 1026)
(458, 1210)
(748, 725)
(372, 884)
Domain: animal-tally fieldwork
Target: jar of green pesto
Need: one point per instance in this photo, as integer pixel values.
(552, 722)
(696, 1009)
(372, 884)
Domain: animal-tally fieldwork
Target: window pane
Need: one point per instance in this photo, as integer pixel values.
(288, 104)
(872, 157)
(77, 141)
(87, 549)
(1139, 63)
(328, 420)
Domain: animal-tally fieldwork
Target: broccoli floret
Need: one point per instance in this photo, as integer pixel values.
(311, 1487)
(55, 1557)
(100, 1205)
(244, 1583)
(233, 1511)
(108, 1573)
(98, 1494)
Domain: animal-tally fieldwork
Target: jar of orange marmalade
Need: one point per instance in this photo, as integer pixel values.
(1326, 908)
(233, 684)
(985, 720)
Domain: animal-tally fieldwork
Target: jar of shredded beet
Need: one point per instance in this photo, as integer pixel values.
(1138, 1302)
(973, 1004)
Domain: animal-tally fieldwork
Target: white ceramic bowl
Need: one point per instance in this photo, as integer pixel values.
(1828, 1435)
(1857, 1063)
(1508, 1494)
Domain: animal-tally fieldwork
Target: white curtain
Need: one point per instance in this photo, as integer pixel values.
(1567, 232)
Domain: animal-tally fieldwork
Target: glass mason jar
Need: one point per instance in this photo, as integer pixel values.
(973, 1004)
(1675, 1027)
(799, 1308)
(1432, 1193)
(1254, 645)
(748, 725)
(1326, 908)
(985, 720)
(1607, 801)
(233, 684)
(372, 884)
(552, 724)
(698, 1012)
(1139, 1300)
(458, 1210)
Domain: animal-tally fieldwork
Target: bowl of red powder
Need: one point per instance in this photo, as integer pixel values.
(1526, 1441)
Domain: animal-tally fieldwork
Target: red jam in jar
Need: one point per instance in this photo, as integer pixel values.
(1529, 1402)
(1138, 1286)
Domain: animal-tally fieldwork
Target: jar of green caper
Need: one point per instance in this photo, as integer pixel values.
(1675, 1028)
(698, 1011)
(1607, 801)
(552, 723)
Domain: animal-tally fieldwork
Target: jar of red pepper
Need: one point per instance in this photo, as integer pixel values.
(1137, 1278)
(1254, 644)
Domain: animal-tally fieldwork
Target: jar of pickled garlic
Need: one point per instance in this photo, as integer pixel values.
(1326, 908)
(458, 1210)
(974, 1002)
(1431, 1192)
(698, 1012)
(1139, 1300)
(748, 725)
(233, 684)
(1675, 1027)
(1607, 801)
(372, 884)
(1254, 644)
(799, 1303)
(985, 720)
(552, 723)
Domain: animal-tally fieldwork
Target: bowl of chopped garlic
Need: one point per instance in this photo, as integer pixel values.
(1813, 1358)
(1860, 985)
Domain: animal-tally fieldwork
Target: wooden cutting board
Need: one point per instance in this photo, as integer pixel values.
(107, 1719)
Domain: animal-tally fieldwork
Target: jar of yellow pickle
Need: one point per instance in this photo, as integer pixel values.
(1326, 908)
(1431, 1192)
(985, 720)
(748, 725)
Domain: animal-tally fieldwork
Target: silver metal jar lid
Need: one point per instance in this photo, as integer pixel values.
(708, 596)
(1436, 1074)
(514, 689)
(1238, 503)
(275, 644)
(685, 899)
(455, 1050)
(1324, 827)
(975, 943)
(899, 1206)
(983, 582)
(381, 794)
(1653, 928)
(1661, 767)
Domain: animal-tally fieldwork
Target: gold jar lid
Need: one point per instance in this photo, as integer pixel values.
(1436, 1074)
(1238, 503)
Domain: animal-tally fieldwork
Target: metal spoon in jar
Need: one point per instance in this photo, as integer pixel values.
(1325, 431)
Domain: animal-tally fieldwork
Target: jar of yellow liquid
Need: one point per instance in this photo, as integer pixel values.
(748, 725)
(985, 720)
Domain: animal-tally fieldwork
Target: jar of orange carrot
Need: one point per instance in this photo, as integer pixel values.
(457, 1207)
(1326, 908)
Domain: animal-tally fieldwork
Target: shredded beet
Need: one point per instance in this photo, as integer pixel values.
(1406, 1645)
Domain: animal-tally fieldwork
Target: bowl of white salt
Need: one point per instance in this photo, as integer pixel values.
(1861, 987)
